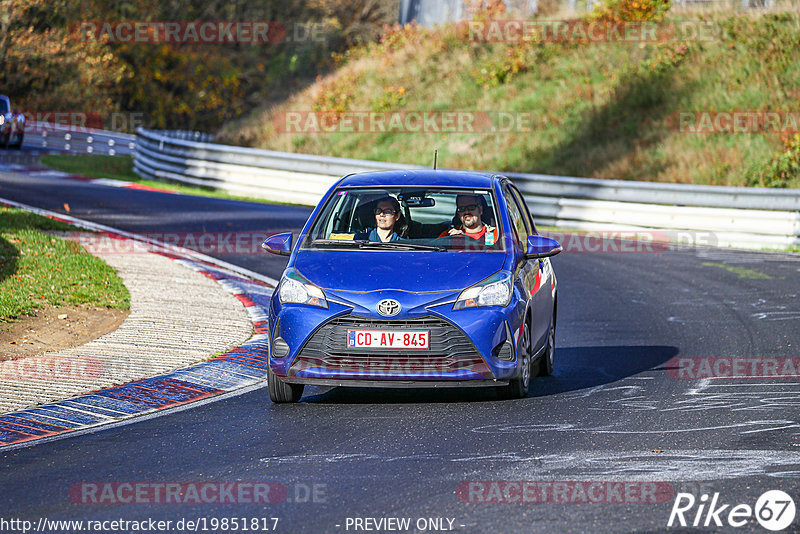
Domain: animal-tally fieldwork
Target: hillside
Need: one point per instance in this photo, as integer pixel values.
(89, 60)
(582, 107)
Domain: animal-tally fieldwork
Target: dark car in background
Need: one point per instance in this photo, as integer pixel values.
(12, 125)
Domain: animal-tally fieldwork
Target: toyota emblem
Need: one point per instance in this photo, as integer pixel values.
(388, 307)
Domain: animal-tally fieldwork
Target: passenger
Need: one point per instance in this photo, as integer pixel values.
(469, 210)
(389, 220)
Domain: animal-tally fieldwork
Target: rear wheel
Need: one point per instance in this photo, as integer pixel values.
(517, 388)
(280, 391)
(547, 360)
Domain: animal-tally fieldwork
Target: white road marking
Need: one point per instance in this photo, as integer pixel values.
(684, 465)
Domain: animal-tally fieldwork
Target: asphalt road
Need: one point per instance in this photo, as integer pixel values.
(614, 412)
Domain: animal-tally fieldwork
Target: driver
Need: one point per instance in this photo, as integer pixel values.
(389, 222)
(469, 210)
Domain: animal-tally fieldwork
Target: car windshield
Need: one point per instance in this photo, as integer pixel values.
(408, 219)
(4, 108)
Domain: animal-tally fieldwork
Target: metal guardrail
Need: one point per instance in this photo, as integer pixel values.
(77, 140)
(733, 216)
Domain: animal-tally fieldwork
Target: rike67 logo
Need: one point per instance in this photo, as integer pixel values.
(774, 510)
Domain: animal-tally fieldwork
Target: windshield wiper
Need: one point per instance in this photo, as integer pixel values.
(337, 243)
(401, 245)
(361, 243)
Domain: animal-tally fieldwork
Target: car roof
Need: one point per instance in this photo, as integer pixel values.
(420, 178)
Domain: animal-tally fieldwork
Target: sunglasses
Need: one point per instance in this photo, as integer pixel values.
(468, 207)
(387, 211)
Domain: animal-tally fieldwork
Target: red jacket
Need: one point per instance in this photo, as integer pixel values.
(476, 235)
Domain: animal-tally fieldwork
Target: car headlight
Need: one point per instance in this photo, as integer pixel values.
(295, 289)
(493, 291)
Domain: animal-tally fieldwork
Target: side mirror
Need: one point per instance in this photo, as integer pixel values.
(541, 247)
(280, 244)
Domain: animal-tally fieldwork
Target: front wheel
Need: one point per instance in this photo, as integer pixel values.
(517, 388)
(280, 391)
(547, 360)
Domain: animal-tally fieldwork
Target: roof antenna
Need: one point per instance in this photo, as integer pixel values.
(435, 157)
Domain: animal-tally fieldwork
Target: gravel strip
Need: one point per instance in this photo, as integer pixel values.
(178, 317)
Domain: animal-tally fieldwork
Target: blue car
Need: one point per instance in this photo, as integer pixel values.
(423, 278)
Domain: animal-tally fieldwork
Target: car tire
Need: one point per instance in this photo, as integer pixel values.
(280, 391)
(517, 388)
(548, 358)
(4, 139)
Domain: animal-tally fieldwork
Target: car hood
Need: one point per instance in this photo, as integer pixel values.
(416, 272)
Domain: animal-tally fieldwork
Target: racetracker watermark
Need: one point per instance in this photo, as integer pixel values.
(234, 243)
(733, 367)
(142, 524)
(208, 492)
(73, 368)
(612, 241)
(44, 122)
(412, 122)
(774, 510)
(580, 31)
(51, 368)
(440, 367)
(638, 241)
(563, 492)
(735, 122)
(180, 32)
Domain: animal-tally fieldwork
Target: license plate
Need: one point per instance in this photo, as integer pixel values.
(387, 339)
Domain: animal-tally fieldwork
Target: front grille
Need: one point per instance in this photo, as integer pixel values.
(449, 350)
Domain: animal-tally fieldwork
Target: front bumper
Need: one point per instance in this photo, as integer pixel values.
(450, 356)
(397, 384)
(456, 355)
(12, 127)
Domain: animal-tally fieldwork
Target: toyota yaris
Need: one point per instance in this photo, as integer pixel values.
(422, 278)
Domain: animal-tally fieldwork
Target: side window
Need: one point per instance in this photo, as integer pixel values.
(526, 214)
(520, 231)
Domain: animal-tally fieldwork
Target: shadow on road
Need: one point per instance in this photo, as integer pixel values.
(576, 368)
(587, 367)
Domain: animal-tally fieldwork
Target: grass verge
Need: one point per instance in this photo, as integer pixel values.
(121, 168)
(94, 166)
(38, 269)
